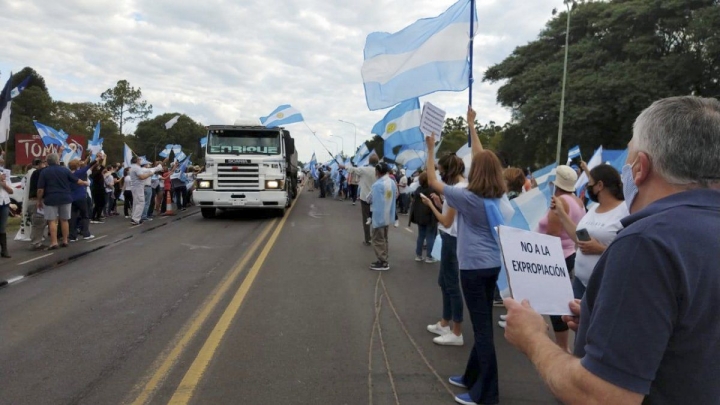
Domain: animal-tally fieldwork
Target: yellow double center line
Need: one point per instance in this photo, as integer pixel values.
(192, 377)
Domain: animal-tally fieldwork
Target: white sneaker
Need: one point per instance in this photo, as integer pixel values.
(369, 221)
(419, 258)
(502, 324)
(449, 339)
(503, 317)
(89, 237)
(439, 330)
(397, 223)
(431, 260)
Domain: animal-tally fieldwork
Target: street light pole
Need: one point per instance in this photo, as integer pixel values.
(355, 135)
(562, 96)
(336, 146)
(341, 140)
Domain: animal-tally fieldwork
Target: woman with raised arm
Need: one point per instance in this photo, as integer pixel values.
(478, 211)
(451, 171)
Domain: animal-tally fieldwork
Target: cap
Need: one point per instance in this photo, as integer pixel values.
(565, 178)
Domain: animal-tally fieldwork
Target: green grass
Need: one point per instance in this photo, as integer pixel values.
(13, 224)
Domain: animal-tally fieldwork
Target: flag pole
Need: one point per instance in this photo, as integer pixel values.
(470, 77)
(321, 142)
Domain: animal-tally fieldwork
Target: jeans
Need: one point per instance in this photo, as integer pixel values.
(180, 194)
(147, 191)
(404, 203)
(79, 214)
(449, 280)
(426, 235)
(4, 212)
(128, 201)
(110, 202)
(578, 288)
(365, 215)
(353, 192)
(481, 373)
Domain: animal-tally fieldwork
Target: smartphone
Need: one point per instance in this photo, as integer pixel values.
(583, 235)
(423, 195)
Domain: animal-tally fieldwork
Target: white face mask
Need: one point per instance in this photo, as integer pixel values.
(630, 190)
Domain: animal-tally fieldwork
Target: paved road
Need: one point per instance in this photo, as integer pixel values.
(239, 310)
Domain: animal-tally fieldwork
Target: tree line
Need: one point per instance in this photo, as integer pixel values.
(119, 106)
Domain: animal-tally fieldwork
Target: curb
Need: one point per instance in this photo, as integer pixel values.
(61, 261)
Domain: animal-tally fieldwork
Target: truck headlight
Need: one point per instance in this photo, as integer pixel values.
(272, 184)
(205, 184)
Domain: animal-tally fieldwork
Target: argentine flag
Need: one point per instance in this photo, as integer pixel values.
(96, 143)
(574, 153)
(383, 194)
(428, 56)
(203, 141)
(400, 127)
(50, 136)
(283, 115)
(313, 167)
(412, 159)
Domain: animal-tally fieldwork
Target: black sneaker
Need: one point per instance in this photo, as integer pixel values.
(380, 266)
(73, 239)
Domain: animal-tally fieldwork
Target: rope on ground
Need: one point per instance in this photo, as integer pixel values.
(417, 348)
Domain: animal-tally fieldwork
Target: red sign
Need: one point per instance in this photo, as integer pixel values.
(29, 147)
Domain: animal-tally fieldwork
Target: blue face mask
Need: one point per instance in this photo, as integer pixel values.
(630, 190)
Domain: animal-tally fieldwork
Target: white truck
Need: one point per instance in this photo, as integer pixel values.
(247, 166)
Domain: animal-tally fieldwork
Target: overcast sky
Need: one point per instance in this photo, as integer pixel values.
(220, 60)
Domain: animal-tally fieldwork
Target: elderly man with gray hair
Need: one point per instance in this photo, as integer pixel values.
(648, 328)
(55, 197)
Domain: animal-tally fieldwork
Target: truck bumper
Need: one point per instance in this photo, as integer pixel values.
(239, 199)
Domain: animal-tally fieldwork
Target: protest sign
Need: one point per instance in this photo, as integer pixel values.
(432, 120)
(536, 270)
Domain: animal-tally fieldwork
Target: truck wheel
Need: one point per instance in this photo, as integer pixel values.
(280, 213)
(208, 212)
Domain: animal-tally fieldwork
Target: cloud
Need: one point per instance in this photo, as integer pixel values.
(220, 60)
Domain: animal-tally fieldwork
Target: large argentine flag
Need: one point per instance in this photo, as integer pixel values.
(50, 136)
(428, 56)
(283, 115)
(412, 159)
(400, 127)
(383, 202)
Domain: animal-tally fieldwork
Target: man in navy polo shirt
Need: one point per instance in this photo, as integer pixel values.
(55, 197)
(648, 325)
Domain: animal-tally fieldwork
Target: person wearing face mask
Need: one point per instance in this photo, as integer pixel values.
(647, 327)
(602, 221)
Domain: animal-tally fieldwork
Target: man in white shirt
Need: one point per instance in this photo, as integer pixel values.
(366, 178)
(138, 177)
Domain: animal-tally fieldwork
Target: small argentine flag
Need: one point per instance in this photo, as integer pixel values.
(574, 152)
(172, 122)
(283, 115)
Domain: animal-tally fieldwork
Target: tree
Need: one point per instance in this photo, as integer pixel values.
(623, 55)
(124, 104)
(151, 135)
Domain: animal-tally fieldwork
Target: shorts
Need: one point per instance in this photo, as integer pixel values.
(52, 212)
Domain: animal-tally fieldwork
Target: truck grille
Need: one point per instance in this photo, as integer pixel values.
(238, 177)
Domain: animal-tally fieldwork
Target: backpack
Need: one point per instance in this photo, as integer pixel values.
(420, 213)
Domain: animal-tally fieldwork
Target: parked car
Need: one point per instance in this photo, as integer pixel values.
(18, 195)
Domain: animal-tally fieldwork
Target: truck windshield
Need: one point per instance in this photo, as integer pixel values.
(243, 142)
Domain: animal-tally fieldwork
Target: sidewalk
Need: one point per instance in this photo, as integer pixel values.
(25, 263)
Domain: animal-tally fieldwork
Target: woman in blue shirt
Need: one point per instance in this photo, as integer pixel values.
(479, 261)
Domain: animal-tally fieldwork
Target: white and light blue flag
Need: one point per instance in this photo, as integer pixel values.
(203, 141)
(430, 55)
(20, 87)
(283, 115)
(96, 143)
(384, 193)
(412, 158)
(400, 127)
(574, 152)
(166, 152)
(127, 156)
(50, 136)
(180, 156)
(313, 167)
(366, 160)
(361, 153)
(172, 122)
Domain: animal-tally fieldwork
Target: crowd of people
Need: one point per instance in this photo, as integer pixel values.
(63, 203)
(641, 249)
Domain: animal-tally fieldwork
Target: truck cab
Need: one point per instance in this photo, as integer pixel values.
(247, 167)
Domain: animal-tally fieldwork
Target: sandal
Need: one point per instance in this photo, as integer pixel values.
(53, 247)
(64, 244)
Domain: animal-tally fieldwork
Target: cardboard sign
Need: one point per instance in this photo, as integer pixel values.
(536, 270)
(29, 147)
(432, 121)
